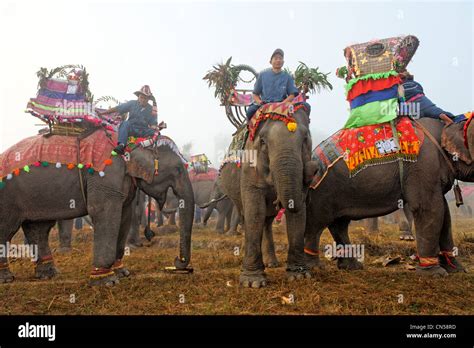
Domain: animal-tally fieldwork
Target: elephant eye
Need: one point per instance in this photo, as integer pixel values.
(262, 141)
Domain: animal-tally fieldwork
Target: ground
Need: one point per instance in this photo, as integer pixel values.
(213, 287)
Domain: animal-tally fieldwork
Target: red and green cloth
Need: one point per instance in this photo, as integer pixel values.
(357, 147)
(373, 99)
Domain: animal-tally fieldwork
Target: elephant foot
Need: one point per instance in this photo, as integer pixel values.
(254, 280)
(432, 271)
(233, 232)
(272, 264)
(103, 276)
(313, 262)
(6, 276)
(64, 249)
(45, 270)
(406, 236)
(349, 263)
(168, 229)
(120, 270)
(298, 273)
(134, 244)
(451, 264)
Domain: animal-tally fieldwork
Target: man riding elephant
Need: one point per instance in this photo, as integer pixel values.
(142, 119)
(273, 85)
(414, 93)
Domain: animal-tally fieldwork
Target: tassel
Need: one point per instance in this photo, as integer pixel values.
(58, 165)
(45, 164)
(113, 153)
(80, 166)
(70, 166)
(108, 162)
(101, 174)
(9, 176)
(2, 185)
(26, 168)
(16, 172)
(156, 167)
(90, 171)
(458, 195)
(37, 164)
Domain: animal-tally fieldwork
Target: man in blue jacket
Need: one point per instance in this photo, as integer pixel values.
(273, 85)
(142, 118)
(414, 94)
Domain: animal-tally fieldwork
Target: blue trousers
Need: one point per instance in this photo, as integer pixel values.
(126, 130)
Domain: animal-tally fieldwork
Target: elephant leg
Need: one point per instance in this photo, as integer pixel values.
(447, 258)
(8, 227)
(253, 269)
(197, 215)
(295, 229)
(235, 220)
(311, 247)
(429, 219)
(172, 219)
(106, 217)
(405, 223)
(134, 236)
(340, 232)
(159, 219)
(125, 224)
(220, 222)
(269, 256)
(228, 219)
(38, 235)
(372, 224)
(65, 235)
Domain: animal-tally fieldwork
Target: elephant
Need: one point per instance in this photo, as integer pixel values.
(339, 198)
(202, 193)
(274, 179)
(138, 218)
(225, 208)
(35, 201)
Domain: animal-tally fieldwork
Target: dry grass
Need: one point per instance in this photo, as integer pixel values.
(213, 288)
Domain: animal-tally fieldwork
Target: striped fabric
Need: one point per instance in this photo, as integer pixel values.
(372, 96)
(373, 113)
(364, 86)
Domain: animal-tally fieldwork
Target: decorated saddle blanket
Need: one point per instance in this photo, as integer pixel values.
(368, 146)
(96, 152)
(157, 140)
(275, 111)
(40, 151)
(211, 175)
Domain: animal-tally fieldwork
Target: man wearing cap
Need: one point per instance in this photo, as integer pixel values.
(142, 118)
(273, 85)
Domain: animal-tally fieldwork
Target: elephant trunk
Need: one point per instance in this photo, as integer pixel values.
(288, 180)
(184, 191)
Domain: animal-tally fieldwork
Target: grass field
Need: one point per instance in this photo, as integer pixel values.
(213, 287)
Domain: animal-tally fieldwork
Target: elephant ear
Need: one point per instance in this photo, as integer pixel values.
(452, 140)
(141, 165)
